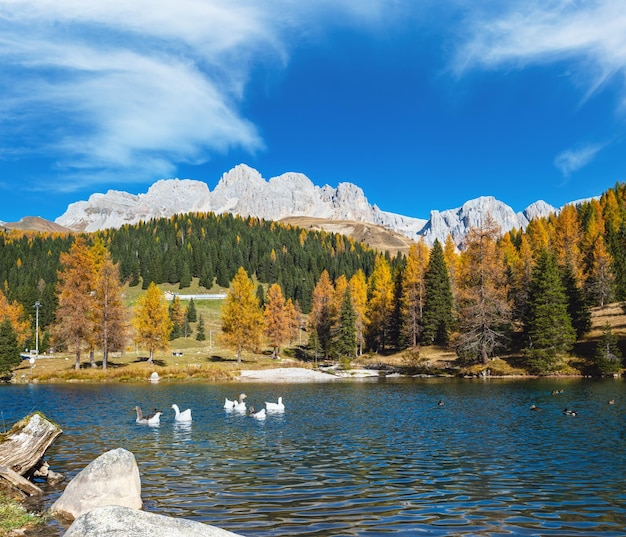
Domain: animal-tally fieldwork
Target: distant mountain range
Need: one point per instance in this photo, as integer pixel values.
(243, 191)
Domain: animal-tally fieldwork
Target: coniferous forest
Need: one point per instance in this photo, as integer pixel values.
(527, 292)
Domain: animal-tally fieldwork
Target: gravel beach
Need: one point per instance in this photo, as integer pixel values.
(285, 374)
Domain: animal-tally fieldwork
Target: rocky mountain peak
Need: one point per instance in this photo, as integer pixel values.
(244, 191)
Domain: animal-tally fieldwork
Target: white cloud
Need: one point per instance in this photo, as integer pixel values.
(119, 86)
(572, 160)
(592, 33)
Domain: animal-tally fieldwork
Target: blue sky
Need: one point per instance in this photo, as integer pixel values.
(423, 104)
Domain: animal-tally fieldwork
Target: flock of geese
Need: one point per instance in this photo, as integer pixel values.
(237, 405)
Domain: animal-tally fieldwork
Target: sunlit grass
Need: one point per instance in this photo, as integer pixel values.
(14, 517)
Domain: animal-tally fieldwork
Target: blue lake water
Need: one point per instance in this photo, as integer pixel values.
(358, 458)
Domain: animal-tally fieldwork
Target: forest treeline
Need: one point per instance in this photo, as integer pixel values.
(527, 291)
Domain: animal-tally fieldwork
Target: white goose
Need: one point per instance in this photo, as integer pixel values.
(185, 415)
(275, 407)
(152, 419)
(240, 405)
(259, 415)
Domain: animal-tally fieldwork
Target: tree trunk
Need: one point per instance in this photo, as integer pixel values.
(23, 447)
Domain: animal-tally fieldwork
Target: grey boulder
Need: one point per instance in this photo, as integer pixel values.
(111, 479)
(116, 521)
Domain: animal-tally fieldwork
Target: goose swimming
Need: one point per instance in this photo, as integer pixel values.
(259, 415)
(240, 405)
(151, 419)
(185, 415)
(275, 407)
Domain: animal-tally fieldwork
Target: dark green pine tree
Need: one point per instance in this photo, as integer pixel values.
(185, 276)
(608, 357)
(192, 314)
(437, 318)
(9, 349)
(577, 306)
(200, 332)
(177, 328)
(548, 329)
(324, 331)
(396, 337)
(345, 341)
(260, 294)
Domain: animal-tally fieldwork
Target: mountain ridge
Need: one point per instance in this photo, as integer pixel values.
(243, 191)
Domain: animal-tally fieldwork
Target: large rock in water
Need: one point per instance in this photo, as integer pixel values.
(111, 479)
(114, 521)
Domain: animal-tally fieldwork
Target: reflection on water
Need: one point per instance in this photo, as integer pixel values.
(359, 458)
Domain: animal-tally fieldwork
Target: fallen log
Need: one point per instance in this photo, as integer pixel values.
(23, 447)
(18, 482)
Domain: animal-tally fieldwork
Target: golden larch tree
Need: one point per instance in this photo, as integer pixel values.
(294, 318)
(323, 313)
(109, 312)
(75, 286)
(538, 236)
(151, 321)
(358, 292)
(414, 291)
(452, 259)
(567, 240)
(600, 279)
(242, 319)
(380, 291)
(277, 328)
(341, 286)
(482, 300)
(14, 312)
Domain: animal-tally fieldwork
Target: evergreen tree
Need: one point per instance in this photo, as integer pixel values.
(608, 357)
(185, 276)
(9, 348)
(438, 316)
(192, 313)
(577, 306)
(260, 294)
(200, 331)
(345, 341)
(548, 327)
(177, 315)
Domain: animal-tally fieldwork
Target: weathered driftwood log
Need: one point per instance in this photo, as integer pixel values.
(23, 447)
(16, 481)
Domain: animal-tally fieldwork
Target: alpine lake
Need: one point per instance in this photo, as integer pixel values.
(375, 457)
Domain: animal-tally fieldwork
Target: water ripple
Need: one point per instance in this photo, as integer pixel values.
(362, 459)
